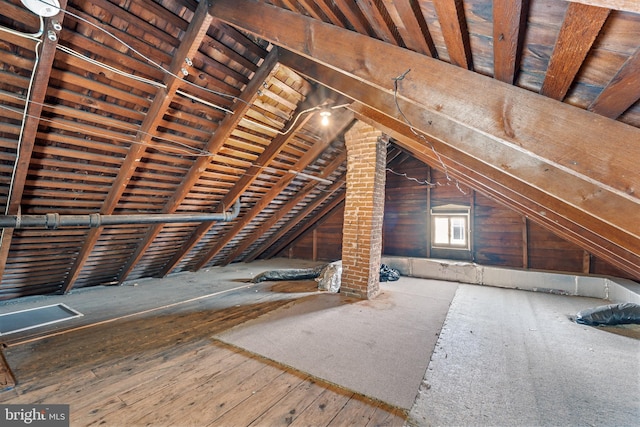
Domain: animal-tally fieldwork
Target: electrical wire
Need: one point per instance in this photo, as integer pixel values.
(140, 54)
(153, 83)
(27, 101)
(191, 151)
(30, 36)
(396, 84)
(156, 84)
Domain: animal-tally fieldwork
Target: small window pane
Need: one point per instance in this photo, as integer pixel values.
(458, 231)
(441, 231)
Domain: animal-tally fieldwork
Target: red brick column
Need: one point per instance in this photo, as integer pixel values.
(363, 211)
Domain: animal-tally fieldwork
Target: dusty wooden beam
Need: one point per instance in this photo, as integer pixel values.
(455, 33)
(30, 129)
(380, 21)
(581, 26)
(509, 22)
(268, 197)
(412, 26)
(622, 5)
(284, 209)
(191, 41)
(267, 70)
(621, 92)
(332, 12)
(354, 16)
(300, 196)
(327, 209)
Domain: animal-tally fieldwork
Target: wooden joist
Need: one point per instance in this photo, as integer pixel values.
(28, 138)
(216, 141)
(579, 30)
(455, 33)
(509, 19)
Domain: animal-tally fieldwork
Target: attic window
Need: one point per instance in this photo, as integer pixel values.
(450, 227)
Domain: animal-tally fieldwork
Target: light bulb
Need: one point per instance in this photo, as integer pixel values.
(324, 121)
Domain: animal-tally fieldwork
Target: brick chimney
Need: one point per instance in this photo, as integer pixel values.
(363, 212)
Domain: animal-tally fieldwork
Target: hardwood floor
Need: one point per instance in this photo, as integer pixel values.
(164, 369)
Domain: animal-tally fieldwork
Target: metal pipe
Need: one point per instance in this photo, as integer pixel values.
(54, 220)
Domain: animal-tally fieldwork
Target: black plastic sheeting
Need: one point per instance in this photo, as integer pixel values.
(610, 315)
(288, 274)
(387, 274)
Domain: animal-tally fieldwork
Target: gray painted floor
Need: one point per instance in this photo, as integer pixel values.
(379, 347)
(508, 357)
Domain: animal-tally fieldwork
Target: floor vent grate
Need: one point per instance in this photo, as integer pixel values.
(23, 320)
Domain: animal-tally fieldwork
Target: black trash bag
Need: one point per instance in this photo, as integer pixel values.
(609, 315)
(289, 274)
(388, 274)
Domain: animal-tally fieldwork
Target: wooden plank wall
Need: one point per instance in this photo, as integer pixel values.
(501, 237)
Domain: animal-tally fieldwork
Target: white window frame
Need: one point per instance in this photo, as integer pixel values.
(452, 214)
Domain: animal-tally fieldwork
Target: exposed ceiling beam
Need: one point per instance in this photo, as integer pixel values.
(455, 33)
(306, 159)
(312, 9)
(622, 5)
(300, 196)
(188, 48)
(412, 26)
(621, 92)
(27, 140)
(581, 26)
(268, 68)
(509, 21)
(325, 210)
(354, 16)
(379, 19)
(332, 12)
(283, 211)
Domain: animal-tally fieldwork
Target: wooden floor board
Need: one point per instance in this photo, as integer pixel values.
(324, 408)
(356, 412)
(287, 409)
(164, 368)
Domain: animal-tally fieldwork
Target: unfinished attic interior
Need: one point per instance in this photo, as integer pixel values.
(157, 155)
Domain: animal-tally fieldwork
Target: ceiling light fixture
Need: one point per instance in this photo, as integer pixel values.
(324, 117)
(46, 9)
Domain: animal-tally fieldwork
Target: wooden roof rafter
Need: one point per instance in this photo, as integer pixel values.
(454, 29)
(308, 157)
(303, 193)
(412, 26)
(30, 130)
(509, 18)
(338, 199)
(228, 125)
(282, 211)
(188, 48)
(581, 26)
(621, 92)
(380, 21)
